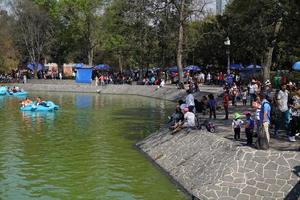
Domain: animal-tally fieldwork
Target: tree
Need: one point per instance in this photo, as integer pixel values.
(34, 30)
(9, 56)
(256, 25)
(80, 27)
(185, 9)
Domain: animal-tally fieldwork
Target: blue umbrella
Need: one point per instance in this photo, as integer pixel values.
(192, 68)
(79, 65)
(172, 69)
(252, 66)
(39, 67)
(30, 66)
(296, 66)
(236, 66)
(102, 67)
(155, 69)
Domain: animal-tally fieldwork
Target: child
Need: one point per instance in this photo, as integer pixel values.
(236, 126)
(249, 126)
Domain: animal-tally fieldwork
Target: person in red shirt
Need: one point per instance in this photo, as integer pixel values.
(226, 103)
(222, 78)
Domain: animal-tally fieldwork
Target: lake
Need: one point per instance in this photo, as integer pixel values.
(85, 150)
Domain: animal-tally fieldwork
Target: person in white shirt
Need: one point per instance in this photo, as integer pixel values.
(189, 121)
(208, 78)
(282, 100)
(202, 78)
(162, 83)
(189, 100)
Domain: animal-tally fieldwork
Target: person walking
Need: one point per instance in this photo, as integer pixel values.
(244, 96)
(295, 108)
(282, 101)
(252, 87)
(276, 117)
(226, 103)
(212, 103)
(234, 94)
(263, 139)
(208, 78)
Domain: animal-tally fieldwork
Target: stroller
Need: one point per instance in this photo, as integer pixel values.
(209, 126)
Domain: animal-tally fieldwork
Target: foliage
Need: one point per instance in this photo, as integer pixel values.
(150, 33)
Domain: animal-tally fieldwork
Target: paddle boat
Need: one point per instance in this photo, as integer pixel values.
(17, 94)
(3, 90)
(46, 106)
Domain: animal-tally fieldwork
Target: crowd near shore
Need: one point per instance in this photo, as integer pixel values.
(263, 105)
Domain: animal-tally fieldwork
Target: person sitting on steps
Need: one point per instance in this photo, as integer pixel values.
(188, 122)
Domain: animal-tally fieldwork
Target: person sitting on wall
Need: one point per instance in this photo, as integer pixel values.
(188, 122)
(176, 117)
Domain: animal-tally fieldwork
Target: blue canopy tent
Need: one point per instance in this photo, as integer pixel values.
(79, 65)
(252, 67)
(193, 68)
(102, 67)
(31, 66)
(84, 74)
(172, 69)
(296, 66)
(154, 69)
(236, 66)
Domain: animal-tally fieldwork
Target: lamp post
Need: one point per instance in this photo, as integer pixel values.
(227, 44)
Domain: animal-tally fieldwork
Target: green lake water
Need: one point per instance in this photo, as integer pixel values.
(83, 151)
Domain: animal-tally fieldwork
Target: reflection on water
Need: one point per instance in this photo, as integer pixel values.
(82, 151)
(83, 101)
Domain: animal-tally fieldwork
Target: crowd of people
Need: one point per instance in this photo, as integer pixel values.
(263, 106)
(278, 107)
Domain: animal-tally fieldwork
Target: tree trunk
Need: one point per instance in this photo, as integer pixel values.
(91, 56)
(120, 63)
(180, 46)
(270, 50)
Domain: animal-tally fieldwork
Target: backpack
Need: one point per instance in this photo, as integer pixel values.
(272, 111)
(251, 126)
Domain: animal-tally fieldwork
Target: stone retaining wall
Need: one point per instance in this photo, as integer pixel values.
(212, 167)
(166, 93)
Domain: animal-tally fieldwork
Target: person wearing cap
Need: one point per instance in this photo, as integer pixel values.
(252, 88)
(282, 101)
(295, 122)
(268, 87)
(189, 121)
(249, 126)
(236, 126)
